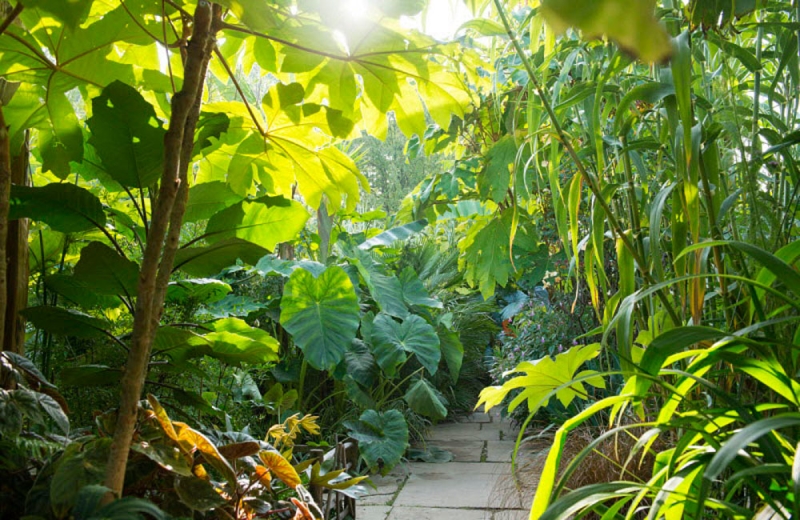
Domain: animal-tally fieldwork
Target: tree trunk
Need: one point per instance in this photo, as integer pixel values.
(17, 256)
(5, 195)
(162, 239)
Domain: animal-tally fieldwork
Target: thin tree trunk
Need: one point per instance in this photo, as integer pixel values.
(5, 195)
(17, 260)
(165, 224)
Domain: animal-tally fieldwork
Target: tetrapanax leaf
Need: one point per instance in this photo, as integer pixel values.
(71, 12)
(64, 207)
(495, 179)
(392, 340)
(321, 313)
(127, 135)
(630, 23)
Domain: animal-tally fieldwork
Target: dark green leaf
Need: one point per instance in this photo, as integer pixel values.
(106, 272)
(65, 322)
(391, 340)
(382, 438)
(425, 400)
(210, 260)
(63, 207)
(127, 135)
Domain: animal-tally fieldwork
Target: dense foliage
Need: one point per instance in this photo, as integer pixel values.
(600, 195)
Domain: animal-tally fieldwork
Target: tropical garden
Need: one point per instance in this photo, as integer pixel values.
(239, 238)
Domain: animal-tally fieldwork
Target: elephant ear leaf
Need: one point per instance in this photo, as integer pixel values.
(321, 313)
(391, 340)
(382, 438)
(423, 398)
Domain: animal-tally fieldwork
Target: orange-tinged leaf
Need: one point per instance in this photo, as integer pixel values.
(190, 437)
(302, 513)
(200, 471)
(264, 476)
(280, 467)
(163, 418)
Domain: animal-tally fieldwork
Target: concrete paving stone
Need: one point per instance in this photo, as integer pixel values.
(438, 513)
(499, 451)
(463, 451)
(462, 432)
(454, 484)
(510, 514)
(478, 417)
(386, 487)
(367, 512)
(498, 431)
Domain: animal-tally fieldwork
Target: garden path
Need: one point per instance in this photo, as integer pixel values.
(476, 485)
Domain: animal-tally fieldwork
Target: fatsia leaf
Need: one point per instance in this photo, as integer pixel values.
(106, 272)
(392, 340)
(423, 398)
(321, 313)
(127, 135)
(64, 207)
(630, 23)
(266, 222)
(382, 438)
(210, 260)
(543, 376)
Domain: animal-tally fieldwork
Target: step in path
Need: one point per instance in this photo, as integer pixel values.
(476, 485)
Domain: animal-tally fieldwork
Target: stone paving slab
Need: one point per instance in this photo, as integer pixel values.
(386, 487)
(436, 513)
(463, 451)
(510, 514)
(453, 485)
(500, 451)
(479, 417)
(367, 512)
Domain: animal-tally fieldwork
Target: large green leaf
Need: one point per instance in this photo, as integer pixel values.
(90, 375)
(205, 290)
(390, 236)
(64, 207)
(208, 198)
(718, 13)
(210, 260)
(360, 363)
(71, 12)
(321, 313)
(79, 466)
(630, 23)
(392, 340)
(106, 272)
(65, 322)
(495, 179)
(234, 342)
(452, 351)
(127, 135)
(267, 222)
(382, 438)
(414, 293)
(423, 398)
(79, 292)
